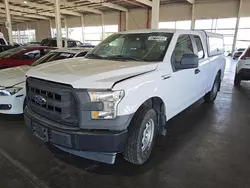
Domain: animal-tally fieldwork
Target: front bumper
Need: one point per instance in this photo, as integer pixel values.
(12, 104)
(74, 139)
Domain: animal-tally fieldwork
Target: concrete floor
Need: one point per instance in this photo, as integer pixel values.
(207, 146)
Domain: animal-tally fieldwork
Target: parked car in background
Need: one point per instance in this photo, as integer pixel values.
(23, 55)
(33, 44)
(123, 92)
(242, 71)
(53, 42)
(4, 44)
(15, 44)
(12, 80)
(238, 53)
(3, 41)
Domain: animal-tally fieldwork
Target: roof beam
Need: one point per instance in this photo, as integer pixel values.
(109, 5)
(45, 7)
(26, 15)
(88, 9)
(191, 1)
(27, 10)
(75, 7)
(145, 2)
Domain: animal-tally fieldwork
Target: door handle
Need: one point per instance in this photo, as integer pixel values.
(197, 71)
(167, 76)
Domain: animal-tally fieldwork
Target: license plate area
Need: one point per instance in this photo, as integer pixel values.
(40, 132)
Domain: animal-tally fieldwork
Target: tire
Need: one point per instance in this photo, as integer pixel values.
(237, 80)
(211, 95)
(136, 149)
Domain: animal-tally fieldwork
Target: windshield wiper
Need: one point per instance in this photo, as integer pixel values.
(94, 56)
(123, 57)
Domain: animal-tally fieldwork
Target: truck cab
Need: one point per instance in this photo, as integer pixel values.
(121, 95)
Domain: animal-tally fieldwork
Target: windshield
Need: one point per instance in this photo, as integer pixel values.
(53, 56)
(134, 46)
(241, 49)
(12, 52)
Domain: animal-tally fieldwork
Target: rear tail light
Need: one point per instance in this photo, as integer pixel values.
(246, 54)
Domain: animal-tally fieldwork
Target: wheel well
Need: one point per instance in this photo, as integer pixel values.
(158, 105)
(219, 74)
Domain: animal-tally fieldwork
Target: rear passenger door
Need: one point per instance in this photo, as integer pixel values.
(203, 74)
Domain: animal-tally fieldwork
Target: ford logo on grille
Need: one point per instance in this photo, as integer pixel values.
(40, 100)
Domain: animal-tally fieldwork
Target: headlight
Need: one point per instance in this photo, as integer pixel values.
(9, 91)
(109, 100)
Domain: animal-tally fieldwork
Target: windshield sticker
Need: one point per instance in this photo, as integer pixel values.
(158, 38)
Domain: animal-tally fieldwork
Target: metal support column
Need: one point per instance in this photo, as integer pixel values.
(27, 30)
(58, 23)
(51, 28)
(67, 32)
(237, 27)
(82, 22)
(38, 31)
(193, 17)
(8, 23)
(126, 20)
(18, 33)
(155, 14)
(102, 17)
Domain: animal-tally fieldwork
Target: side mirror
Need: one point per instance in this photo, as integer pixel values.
(189, 61)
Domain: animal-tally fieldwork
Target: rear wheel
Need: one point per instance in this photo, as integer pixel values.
(237, 80)
(142, 131)
(211, 95)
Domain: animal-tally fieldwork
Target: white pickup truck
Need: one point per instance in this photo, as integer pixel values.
(119, 97)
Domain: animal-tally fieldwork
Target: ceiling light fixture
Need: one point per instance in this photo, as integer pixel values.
(25, 2)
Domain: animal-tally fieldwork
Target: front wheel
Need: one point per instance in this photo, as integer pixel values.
(142, 131)
(211, 95)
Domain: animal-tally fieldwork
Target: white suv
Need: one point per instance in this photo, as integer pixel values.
(242, 71)
(119, 97)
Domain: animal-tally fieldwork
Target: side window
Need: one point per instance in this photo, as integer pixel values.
(183, 46)
(216, 46)
(200, 50)
(35, 54)
(71, 44)
(82, 54)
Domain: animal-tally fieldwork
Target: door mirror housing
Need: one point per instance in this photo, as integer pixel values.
(189, 61)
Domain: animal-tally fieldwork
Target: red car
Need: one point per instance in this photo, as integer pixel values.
(23, 55)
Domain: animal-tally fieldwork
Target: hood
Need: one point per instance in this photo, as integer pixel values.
(90, 73)
(13, 76)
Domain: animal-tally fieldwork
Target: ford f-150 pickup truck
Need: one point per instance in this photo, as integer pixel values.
(122, 94)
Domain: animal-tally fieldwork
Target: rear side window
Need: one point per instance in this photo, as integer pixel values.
(216, 46)
(200, 50)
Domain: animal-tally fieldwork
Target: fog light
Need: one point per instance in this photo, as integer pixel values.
(5, 106)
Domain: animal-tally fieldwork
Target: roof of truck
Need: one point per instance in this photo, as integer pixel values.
(173, 31)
